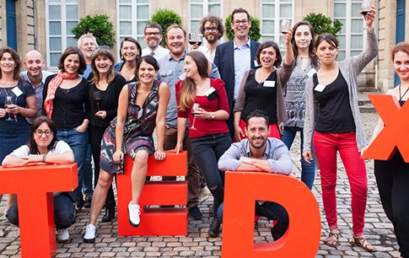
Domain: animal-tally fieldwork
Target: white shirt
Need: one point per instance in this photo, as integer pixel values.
(158, 53)
(206, 51)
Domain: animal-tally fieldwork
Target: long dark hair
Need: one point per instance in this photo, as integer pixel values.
(17, 61)
(268, 44)
(37, 122)
(311, 53)
(138, 46)
(73, 51)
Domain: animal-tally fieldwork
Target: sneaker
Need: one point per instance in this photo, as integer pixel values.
(134, 212)
(89, 236)
(214, 229)
(195, 213)
(63, 235)
(88, 200)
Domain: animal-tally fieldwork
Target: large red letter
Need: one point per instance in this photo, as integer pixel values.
(155, 221)
(241, 192)
(34, 186)
(395, 134)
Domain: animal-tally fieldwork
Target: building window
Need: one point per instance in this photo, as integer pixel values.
(61, 17)
(351, 38)
(200, 8)
(272, 13)
(133, 16)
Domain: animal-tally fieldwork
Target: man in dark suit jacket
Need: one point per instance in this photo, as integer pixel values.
(235, 57)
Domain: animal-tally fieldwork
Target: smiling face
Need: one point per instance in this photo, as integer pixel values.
(87, 46)
(129, 51)
(176, 40)
(257, 131)
(190, 67)
(43, 136)
(72, 64)
(211, 33)
(267, 57)
(326, 53)
(303, 37)
(241, 25)
(401, 65)
(7, 63)
(103, 63)
(34, 63)
(146, 73)
(152, 37)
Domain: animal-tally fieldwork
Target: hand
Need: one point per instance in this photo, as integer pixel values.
(32, 159)
(179, 147)
(287, 37)
(101, 114)
(281, 128)
(194, 46)
(12, 109)
(246, 160)
(118, 156)
(2, 112)
(370, 17)
(81, 129)
(307, 156)
(238, 133)
(160, 155)
(201, 113)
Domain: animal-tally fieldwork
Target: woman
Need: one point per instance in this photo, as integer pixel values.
(142, 107)
(104, 90)
(66, 103)
(208, 133)
(130, 54)
(14, 128)
(262, 88)
(305, 66)
(338, 128)
(44, 148)
(392, 176)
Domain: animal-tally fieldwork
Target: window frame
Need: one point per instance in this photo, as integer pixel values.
(205, 4)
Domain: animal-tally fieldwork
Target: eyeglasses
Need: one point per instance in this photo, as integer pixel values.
(244, 22)
(210, 28)
(40, 133)
(152, 33)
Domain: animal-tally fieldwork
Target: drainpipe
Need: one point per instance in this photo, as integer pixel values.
(377, 59)
(35, 23)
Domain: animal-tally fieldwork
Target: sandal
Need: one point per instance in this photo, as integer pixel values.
(332, 239)
(362, 242)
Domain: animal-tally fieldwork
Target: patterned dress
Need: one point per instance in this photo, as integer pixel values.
(138, 129)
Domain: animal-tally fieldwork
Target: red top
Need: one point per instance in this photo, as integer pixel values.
(205, 126)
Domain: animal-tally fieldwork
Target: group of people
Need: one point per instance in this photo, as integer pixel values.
(231, 106)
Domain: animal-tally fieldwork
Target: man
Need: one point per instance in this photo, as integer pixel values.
(34, 74)
(235, 57)
(87, 43)
(260, 153)
(212, 29)
(153, 37)
(172, 70)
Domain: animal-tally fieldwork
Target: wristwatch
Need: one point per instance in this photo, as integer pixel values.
(212, 115)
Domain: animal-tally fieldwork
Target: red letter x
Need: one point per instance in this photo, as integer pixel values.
(396, 130)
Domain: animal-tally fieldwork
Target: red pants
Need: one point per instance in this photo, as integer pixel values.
(326, 147)
(273, 130)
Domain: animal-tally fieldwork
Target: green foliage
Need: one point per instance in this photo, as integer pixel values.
(322, 23)
(99, 26)
(254, 31)
(165, 18)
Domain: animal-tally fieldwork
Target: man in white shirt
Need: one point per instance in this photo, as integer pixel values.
(153, 37)
(212, 29)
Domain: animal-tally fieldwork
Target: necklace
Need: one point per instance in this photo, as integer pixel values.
(400, 94)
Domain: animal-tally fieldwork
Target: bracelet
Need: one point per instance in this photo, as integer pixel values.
(44, 157)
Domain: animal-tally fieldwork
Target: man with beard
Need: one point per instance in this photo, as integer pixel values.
(34, 74)
(172, 70)
(212, 29)
(87, 43)
(260, 153)
(153, 37)
(235, 57)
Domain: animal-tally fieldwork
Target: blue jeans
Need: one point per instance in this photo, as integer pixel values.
(307, 169)
(87, 185)
(64, 212)
(79, 144)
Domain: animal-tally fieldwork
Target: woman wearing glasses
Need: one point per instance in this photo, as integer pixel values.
(43, 148)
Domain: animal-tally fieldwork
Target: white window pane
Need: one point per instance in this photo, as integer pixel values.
(125, 28)
(55, 28)
(357, 41)
(285, 11)
(70, 25)
(357, 26)
(268, 38)
(140, 26)
(355, 53)
(72, 12)
(54, 57)
(268, 27)
(355, 10)
(268, 11)
(214, 9)
(143, 1)
(125, 1)
(197, 11)
(285, 1)
(54, 12)
(341, 39)
(54, 1)
(214, 1)
(141, 42)
(340, 10)
(55, 44)
(72, 1)
(125, 12)
(344, 27)
(71, 42)
(341, 55)
(194, 26)
(143, 12)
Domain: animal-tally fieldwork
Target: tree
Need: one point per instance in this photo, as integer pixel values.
(254, 32)
(322, 23)
(99, 26)
(165, 18)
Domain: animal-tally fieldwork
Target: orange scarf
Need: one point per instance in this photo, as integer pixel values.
(52, 88)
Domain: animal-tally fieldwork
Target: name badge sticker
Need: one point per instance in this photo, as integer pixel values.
(210, 91)
(182, 76)
(311, 72)
(17, 91)
(269, 84)
(320, 88)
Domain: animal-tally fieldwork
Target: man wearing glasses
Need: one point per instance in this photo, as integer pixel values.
(153, 37)
(212, 29)
(235, 57)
